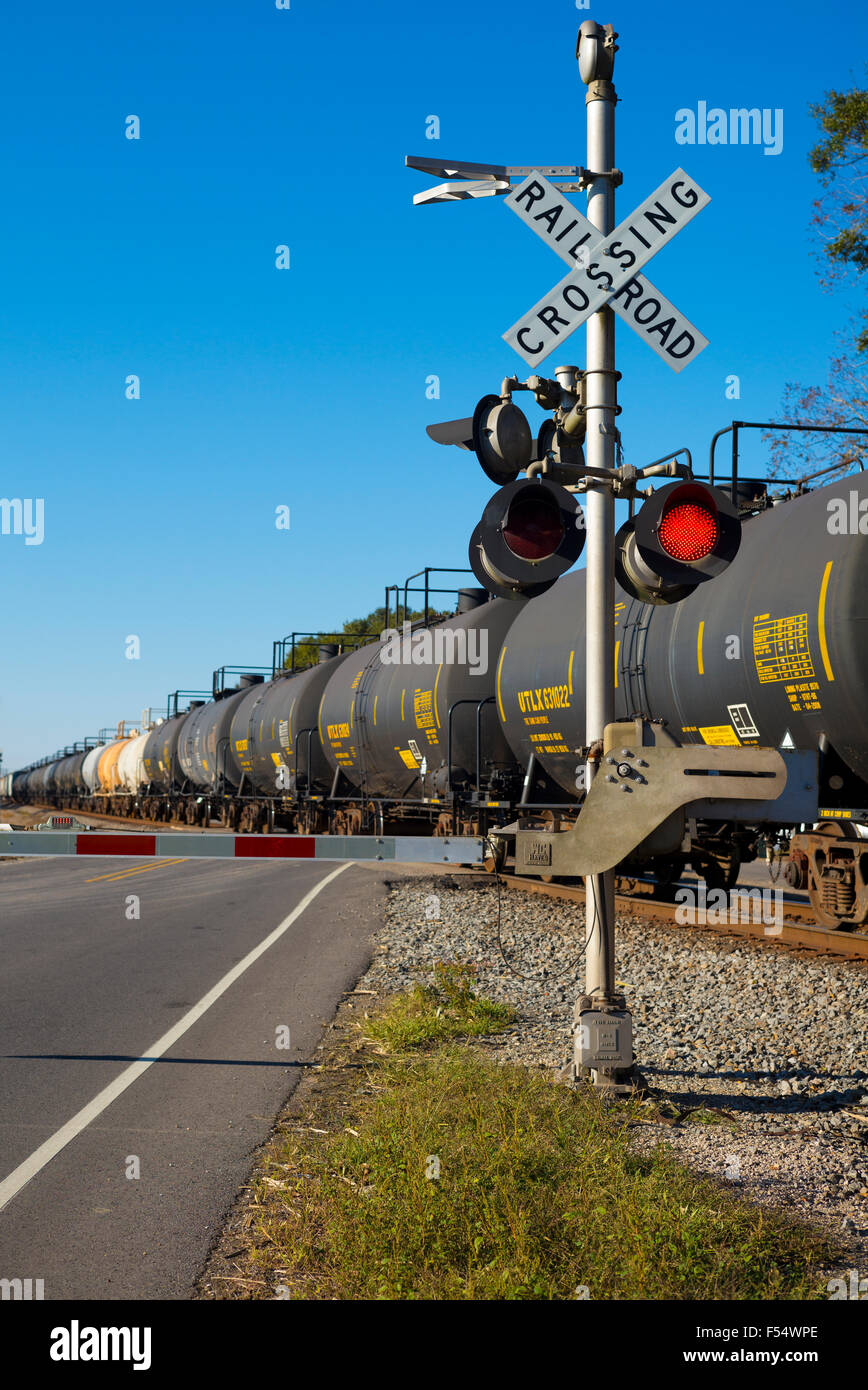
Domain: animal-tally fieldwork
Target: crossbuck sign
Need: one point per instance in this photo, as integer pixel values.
(604, 269)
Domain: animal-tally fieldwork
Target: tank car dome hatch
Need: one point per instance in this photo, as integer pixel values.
(751, 495)
(468, 599)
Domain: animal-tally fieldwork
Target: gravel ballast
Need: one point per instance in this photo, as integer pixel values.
(767, 1045)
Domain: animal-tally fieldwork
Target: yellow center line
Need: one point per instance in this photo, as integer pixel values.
(137, 869)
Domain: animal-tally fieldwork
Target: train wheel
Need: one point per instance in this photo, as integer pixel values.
(830, 899)
(833, 893)
(837, 829)
(666, 873)
(717, 871)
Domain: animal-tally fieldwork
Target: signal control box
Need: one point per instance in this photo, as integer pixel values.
(603, 1037)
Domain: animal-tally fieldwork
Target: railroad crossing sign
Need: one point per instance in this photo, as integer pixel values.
(605, 269)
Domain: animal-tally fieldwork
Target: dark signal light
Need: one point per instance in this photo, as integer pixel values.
(531, 532)
(533, 529)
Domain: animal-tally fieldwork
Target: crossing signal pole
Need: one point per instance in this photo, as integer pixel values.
(534, 529)
(595, 51)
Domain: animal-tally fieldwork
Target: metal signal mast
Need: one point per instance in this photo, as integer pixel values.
(684, 534)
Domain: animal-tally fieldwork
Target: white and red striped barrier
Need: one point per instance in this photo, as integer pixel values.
(100, 844)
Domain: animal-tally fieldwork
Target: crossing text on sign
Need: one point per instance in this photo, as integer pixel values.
(608, 275)
(649, 313)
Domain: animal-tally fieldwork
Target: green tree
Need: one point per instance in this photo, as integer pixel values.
(357, 631)
(840, 159)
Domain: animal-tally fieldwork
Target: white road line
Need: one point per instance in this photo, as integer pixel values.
(19, 1178)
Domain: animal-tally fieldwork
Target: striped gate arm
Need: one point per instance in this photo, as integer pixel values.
(405, 849)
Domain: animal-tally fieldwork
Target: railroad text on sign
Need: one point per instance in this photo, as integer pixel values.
(610, 269)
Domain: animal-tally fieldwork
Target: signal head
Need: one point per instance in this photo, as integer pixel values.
(530, 534)
(502, 440)
(684, 535)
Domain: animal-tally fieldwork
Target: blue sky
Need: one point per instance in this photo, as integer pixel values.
(307, 387)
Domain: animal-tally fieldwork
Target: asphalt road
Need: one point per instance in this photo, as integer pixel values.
(86, 989)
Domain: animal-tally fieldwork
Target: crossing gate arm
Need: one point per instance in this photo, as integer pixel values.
(403, 849)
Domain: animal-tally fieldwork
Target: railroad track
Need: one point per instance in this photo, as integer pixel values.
(799, 931)
(27, 816)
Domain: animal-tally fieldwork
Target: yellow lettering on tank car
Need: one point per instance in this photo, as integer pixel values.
(717, 735)
(423, 709)
(781, 651)
(544, 697)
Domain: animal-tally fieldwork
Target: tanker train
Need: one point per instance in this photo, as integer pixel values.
(478, 722)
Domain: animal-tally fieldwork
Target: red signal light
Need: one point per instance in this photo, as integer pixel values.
(688, 531)
(533, 528)
(682, 536)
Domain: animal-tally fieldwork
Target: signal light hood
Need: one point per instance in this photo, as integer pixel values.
(502, 440)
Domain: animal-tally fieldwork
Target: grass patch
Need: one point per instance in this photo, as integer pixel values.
(436, 1013)
(447, 1176)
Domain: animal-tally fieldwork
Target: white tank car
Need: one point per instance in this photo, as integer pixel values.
(89, 767)
(130, 772)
